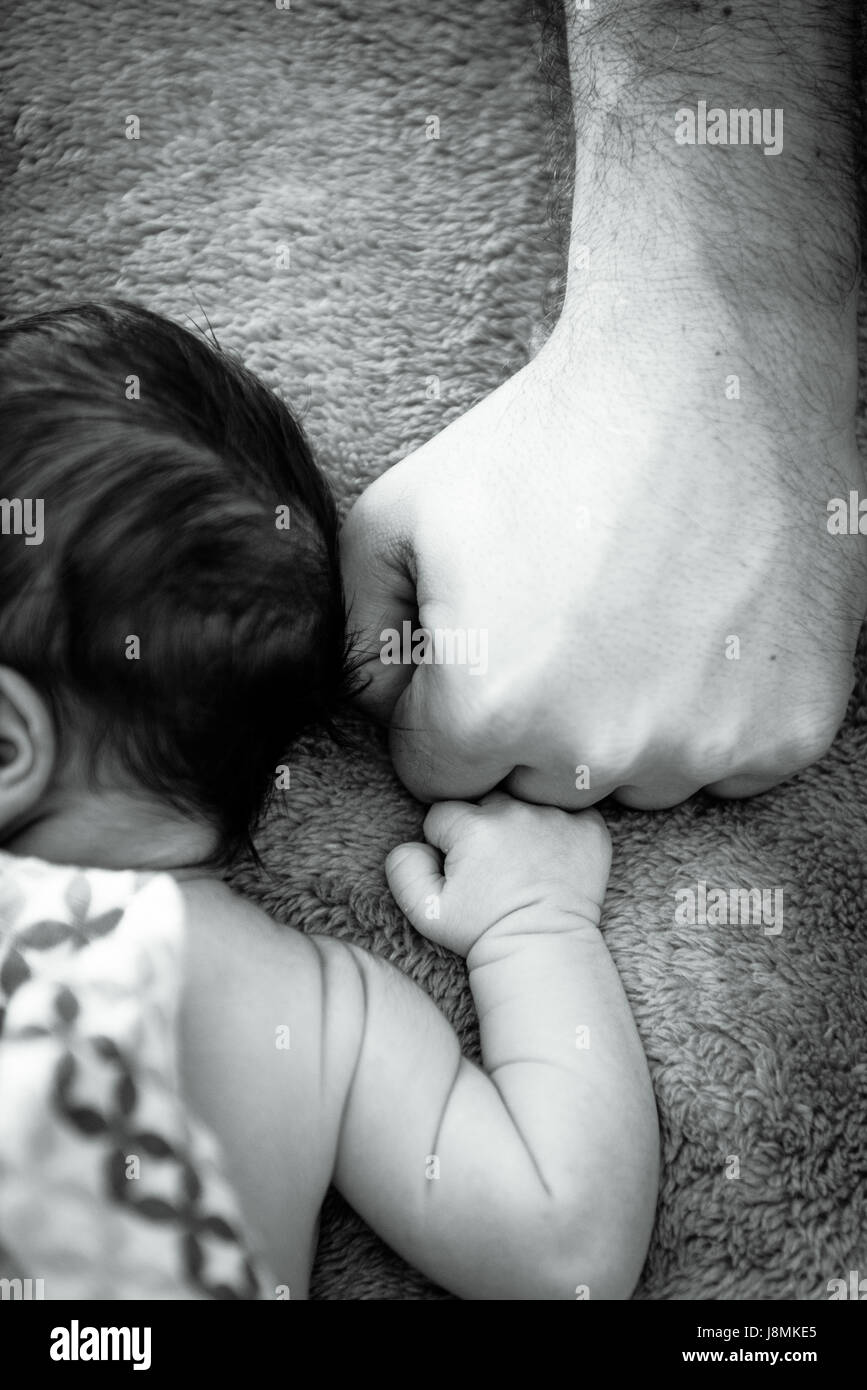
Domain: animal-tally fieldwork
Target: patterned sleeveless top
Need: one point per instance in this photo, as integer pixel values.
(109, 1187)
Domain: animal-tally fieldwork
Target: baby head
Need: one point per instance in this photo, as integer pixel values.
(171, 612)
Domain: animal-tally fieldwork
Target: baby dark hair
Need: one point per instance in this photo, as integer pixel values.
(182, 507)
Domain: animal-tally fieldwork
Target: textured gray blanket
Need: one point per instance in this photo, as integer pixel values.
(283, 177)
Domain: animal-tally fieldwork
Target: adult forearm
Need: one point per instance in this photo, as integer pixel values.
(716, 146)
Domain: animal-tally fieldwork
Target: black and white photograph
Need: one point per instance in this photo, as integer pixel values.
(433, 671)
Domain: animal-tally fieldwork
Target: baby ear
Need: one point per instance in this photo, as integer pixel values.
(27, 749)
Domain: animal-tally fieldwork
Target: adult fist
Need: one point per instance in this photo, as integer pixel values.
(632, 563)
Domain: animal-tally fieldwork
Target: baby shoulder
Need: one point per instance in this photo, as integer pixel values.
(265, 984)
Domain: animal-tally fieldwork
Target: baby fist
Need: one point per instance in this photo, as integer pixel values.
(537, 866)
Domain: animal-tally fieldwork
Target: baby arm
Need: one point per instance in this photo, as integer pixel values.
(537, 1177)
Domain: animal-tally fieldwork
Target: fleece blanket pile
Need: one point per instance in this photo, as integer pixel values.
(278, 168)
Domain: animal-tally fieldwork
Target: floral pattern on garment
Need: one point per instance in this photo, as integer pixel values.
(109, 1187)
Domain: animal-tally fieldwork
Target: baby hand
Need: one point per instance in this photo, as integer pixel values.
(501, 859)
